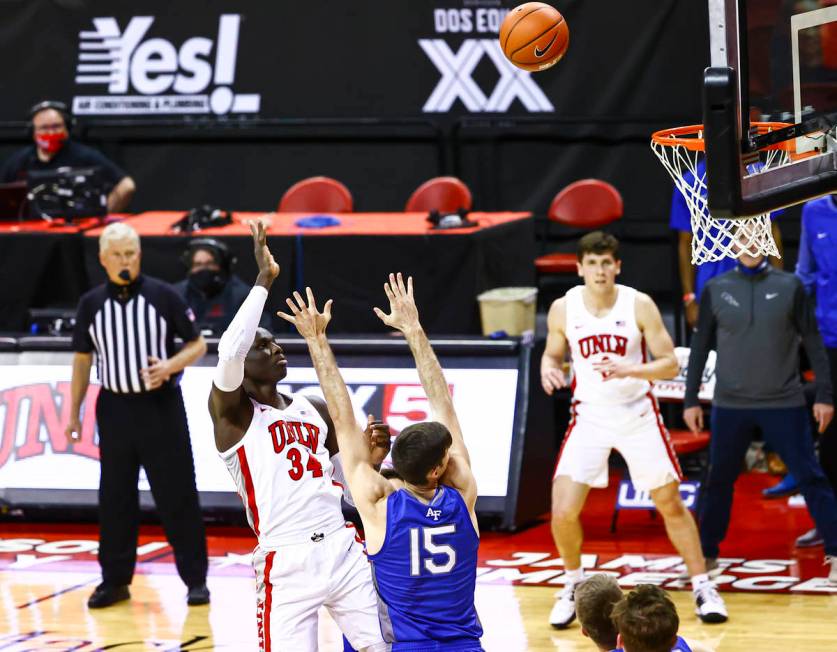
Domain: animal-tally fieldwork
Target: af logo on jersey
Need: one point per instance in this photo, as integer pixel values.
(434, 513)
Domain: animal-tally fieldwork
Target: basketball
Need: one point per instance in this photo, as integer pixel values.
(534, 36)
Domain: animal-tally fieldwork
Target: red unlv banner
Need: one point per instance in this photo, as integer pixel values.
(35, 415)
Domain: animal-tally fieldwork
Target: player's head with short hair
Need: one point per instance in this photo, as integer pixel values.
(594, 600)
(647, 620)
(119, 253)
(599, 243)
(598, 261)
(420, 452)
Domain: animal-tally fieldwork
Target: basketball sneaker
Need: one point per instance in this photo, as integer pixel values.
(786, 487)
(563, 612)
(832, 575)
(709, 605)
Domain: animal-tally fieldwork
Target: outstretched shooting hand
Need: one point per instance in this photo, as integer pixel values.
(268, 267)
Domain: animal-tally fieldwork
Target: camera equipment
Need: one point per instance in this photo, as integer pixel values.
(202, 217)
(67, 193)
(457, 220)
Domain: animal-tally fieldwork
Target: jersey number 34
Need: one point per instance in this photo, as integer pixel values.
(296, 470)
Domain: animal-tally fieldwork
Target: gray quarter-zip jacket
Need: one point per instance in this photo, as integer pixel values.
(758, 321)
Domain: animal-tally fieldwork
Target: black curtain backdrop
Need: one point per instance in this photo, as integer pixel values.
(370, 58)
(39, 270)
(327, 73)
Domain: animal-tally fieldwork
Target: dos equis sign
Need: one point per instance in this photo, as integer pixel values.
(465, 41)
(133, 71)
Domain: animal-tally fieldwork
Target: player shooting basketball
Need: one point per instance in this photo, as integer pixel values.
(606, 328)
(421, 530)
(277, 449)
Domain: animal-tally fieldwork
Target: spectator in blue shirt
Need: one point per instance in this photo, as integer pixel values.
(694, 278)
(817, 268)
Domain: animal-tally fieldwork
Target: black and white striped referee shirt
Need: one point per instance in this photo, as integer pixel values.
(125, 325)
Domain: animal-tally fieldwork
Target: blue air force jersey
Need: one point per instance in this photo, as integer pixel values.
(425, 574)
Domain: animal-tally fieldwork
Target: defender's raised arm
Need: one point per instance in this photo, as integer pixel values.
(403, 316)
(366, 485)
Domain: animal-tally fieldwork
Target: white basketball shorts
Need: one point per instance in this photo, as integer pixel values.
(634, 429)
(294, 581)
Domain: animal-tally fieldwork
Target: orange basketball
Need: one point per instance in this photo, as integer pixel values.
(534, 36)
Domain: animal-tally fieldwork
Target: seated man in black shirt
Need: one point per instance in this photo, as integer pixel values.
(211, 290)
(53, 149)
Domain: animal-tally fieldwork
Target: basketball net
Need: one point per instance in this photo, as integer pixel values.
(681, 151)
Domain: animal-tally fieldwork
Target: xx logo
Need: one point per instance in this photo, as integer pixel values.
(456, 82)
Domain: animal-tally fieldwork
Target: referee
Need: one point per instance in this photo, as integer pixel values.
(130, 322)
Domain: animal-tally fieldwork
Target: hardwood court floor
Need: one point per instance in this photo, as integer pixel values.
(777, 596)
(157, 618)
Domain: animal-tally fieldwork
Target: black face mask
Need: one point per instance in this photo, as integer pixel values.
(208, 281)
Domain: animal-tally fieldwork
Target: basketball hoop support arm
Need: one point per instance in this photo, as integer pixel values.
(723, 151)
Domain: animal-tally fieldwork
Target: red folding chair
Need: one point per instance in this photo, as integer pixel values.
(685, 442)
(317, 194)
(443, 194)
(585, 204)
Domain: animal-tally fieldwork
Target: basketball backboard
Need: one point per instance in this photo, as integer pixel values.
(771, 61)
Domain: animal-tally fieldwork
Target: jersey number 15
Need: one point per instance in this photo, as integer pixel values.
(425, 535)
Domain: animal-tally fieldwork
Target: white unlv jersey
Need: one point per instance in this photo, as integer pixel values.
(594, 339)
(283, 474)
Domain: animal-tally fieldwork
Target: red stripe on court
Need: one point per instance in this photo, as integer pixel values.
(566, 436)
(249, 489)
(268, 598)
(672, 455)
